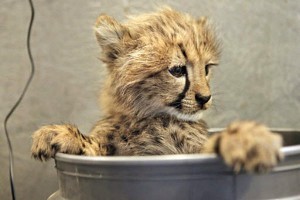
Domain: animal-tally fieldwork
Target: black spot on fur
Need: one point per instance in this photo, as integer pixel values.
(127, 124)
(157, 140)
(117, 127)
(110, 136)
(56, 147)
(179, 142)
(160, 30)
(77, 132)
(165, 121)
(137, 87)
(142, 143)
(89, 140)
(81, 152)
(252, 153)
(150, 96)
(111, 149)
(174, 136)
(190, 122)
(124, 138)
(182, 126)
(151, 28)
(83, 137)
(151, 130)
(193, 134)
(181, 26)
(142, 82)
(136, 132)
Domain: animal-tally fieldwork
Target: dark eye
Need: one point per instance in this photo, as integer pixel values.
(207, 67)
(178, 71)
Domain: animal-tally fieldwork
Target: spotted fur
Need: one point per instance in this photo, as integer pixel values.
(154, 95)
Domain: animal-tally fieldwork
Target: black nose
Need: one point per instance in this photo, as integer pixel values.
(201, 100)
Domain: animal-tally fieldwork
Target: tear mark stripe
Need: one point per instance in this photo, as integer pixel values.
(177, 103)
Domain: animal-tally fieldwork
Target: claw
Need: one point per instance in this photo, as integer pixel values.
(237, 165)
(261, 168)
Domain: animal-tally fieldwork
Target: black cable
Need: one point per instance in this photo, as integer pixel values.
(11, 156)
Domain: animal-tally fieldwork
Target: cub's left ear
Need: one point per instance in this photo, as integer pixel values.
(109, 34)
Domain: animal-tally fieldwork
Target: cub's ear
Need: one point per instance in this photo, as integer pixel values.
(109, 34)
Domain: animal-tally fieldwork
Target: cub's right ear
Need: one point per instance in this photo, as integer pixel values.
(109, 34)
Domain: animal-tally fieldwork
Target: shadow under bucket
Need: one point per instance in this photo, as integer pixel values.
(176, 177)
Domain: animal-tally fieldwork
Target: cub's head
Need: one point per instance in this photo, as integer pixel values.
(157, 62)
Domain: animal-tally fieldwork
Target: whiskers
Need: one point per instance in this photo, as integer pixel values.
(219, 102)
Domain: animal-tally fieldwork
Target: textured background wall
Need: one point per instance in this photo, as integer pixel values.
(258, 77)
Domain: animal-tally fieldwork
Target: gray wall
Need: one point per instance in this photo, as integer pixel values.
(258, 77)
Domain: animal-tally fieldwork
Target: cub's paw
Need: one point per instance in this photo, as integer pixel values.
(249, 146)
(49, 140)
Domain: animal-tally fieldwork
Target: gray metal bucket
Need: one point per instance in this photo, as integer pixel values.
(175, 177)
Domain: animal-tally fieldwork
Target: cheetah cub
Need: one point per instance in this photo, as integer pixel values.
(159, 67)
